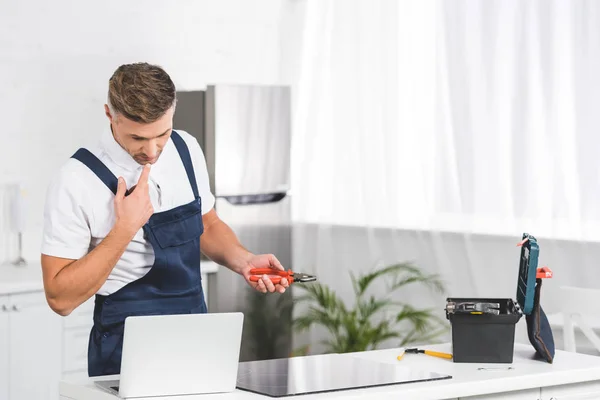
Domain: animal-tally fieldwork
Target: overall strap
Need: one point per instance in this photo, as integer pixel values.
(97, 167)
(184, 153)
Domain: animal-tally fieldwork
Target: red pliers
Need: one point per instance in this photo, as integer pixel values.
(276, 275)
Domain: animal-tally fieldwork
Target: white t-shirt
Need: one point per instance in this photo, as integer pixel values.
(79, 210)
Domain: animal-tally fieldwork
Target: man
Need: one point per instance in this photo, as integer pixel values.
(126, 221)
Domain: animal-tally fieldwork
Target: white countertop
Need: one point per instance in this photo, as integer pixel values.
(467, 379)
(15, 279)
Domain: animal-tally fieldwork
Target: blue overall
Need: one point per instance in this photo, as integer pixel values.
(173, 284)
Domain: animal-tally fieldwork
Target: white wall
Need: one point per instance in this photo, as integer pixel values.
(57, 56)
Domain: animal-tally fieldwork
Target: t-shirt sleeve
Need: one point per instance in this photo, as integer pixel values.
(201, 171)
(66, 232)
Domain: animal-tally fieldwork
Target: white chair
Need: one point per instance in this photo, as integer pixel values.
(580, 307)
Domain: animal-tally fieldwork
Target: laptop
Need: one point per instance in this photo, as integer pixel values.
(171, 355)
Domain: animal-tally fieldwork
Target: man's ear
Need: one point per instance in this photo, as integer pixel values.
(107, 113)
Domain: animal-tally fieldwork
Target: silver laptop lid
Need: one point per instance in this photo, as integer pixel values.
(180, 354)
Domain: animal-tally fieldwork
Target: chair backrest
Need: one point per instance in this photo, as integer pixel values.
(580, 307)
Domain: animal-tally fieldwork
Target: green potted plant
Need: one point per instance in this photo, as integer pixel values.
(372, 319)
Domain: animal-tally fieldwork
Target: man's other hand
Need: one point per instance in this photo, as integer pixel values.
(264, 284)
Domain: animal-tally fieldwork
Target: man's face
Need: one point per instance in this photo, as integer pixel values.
(143, 142)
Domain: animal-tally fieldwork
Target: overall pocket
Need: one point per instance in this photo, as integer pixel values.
(178, 231)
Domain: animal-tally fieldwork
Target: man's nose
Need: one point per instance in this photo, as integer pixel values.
(151, 149)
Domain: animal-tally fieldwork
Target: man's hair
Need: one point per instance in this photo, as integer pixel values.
(140, 92)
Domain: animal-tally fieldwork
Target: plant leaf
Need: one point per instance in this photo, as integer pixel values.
(367, 309)
(430, 280)
(355, 286)
(318, 317)
(323, 296)
(419, 318)
(363, 281)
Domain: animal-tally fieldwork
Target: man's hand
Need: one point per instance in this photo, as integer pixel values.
(133, 211)
(264, 261)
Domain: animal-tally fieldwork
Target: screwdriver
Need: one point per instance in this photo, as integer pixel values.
(427, 352)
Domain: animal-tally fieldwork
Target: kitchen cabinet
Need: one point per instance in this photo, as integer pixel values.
(581, 391)
(75, 335)
(30, 340)
(528, 394)
(4, 348)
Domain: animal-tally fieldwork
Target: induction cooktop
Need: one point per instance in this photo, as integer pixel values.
(324, 373)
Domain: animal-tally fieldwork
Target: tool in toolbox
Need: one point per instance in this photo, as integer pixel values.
(470, 307)
(277, 275)
(428, 352)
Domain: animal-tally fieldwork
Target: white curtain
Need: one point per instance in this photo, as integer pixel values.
(364, 126)
(475, 116)
(439, 131)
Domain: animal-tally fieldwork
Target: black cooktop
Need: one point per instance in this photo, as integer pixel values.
(324, 373)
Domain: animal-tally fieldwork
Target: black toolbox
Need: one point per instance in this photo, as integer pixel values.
(483, 329)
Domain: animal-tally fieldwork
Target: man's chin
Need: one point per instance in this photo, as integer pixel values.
(144, 161)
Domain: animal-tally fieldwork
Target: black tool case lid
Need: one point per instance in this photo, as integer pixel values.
(528, 264)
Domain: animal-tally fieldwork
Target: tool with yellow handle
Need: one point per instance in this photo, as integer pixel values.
(428, 352)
